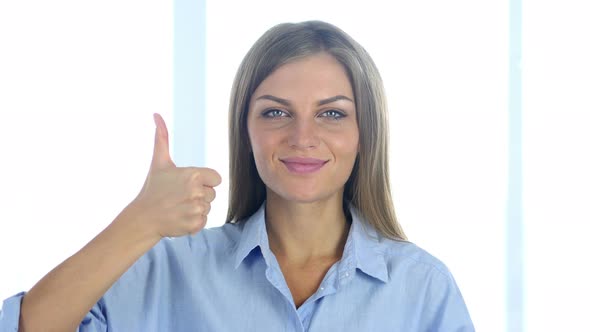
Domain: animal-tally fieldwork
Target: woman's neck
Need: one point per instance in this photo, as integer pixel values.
(303, 233)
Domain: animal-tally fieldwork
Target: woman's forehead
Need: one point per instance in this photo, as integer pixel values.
(318, 76)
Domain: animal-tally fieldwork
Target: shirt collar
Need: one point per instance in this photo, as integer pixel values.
(363, 249)
(367, 251)
(253, 235)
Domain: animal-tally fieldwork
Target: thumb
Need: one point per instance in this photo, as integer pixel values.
(161, 157)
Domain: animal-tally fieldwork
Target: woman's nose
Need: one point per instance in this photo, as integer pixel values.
(303, 134)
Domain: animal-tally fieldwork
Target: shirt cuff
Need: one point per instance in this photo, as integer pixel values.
(10, 313)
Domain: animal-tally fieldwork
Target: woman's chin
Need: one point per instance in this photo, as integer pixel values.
(304, 196)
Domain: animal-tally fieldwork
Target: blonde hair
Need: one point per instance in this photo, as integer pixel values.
(368, 186)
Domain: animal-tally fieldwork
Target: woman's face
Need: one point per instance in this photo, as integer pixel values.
(303, 129)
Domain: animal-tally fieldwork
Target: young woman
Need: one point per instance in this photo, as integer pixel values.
(312, 242)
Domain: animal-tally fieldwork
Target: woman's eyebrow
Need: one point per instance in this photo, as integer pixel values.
(281, 101)
(333, 99)
(287, 103)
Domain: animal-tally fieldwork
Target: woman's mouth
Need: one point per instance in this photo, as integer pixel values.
(299, 165)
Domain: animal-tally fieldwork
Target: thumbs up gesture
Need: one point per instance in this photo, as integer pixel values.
(174, 201)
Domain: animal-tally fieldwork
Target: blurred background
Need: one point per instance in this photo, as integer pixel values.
(489, 108)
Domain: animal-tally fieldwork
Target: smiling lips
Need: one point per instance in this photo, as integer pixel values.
(300, 165)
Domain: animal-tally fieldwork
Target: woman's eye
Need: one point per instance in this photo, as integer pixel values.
(334, 114)
(274, 113)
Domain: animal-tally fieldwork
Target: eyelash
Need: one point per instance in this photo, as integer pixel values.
(336, 114)
(268, 113)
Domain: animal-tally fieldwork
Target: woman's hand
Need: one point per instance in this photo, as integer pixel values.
(174, 201)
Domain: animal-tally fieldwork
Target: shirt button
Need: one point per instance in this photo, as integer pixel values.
(321, 288)
(346, 274)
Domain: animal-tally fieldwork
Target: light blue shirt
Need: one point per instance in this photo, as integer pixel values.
(227, 279)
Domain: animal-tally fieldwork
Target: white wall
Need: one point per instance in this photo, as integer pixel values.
(79, 82)
(556, 143)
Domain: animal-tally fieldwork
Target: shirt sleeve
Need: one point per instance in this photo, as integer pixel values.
(94, 321)
(10, 313)
(447, 308)
(129, 300)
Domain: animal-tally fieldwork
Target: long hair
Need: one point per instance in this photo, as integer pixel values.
(368, 187)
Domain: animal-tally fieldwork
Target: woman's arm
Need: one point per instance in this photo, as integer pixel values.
(173, 202)
(63, 297)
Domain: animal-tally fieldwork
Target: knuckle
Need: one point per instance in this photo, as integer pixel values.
(197, 223)
(191, 174)
(195, 174)
(199, 209)
(207, 208)
(206, 195)
(189, 185)
(197, 193)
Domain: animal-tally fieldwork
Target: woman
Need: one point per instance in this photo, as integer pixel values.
(311, 243)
